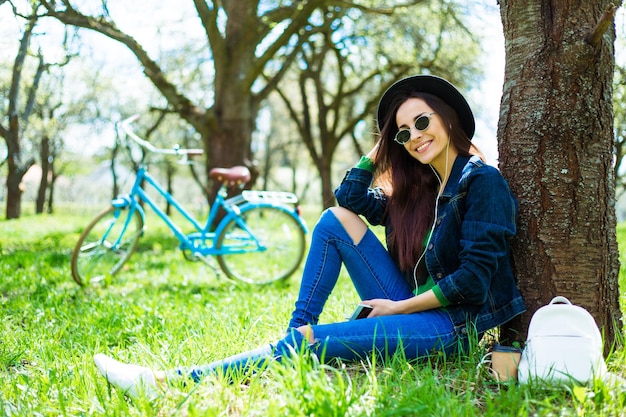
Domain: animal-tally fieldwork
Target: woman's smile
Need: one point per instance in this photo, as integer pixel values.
(423, 147)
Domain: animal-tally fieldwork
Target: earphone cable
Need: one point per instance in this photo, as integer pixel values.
(432, 228)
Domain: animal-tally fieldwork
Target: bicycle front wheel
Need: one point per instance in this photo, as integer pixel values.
(265, 244)
(105, 245)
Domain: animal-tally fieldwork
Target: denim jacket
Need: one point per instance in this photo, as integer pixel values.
(468, 256)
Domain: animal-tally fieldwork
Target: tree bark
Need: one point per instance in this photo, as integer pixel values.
(44, 154)
(16, 170)
(555, 138)
(170, 170)
(53, 177)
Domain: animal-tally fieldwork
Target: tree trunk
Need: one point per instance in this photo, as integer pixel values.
(16, 170)
(325, 171)
(169, 175)
(44, 155)
(53, 178)
(116, 187)
(556, 149)
(230, 145)
(14, 191)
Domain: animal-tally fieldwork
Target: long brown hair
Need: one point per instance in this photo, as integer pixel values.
(412, 186)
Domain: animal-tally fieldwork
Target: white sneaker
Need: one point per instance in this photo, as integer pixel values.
(132, 380)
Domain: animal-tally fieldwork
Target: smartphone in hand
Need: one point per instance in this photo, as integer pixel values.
(361, 312)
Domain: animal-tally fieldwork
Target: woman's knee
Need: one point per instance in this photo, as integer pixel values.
(351, 222)
(307, 332)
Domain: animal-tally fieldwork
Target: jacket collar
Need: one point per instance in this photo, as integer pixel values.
(459, 168)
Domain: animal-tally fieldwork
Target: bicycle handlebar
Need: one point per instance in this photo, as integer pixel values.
(176, 150)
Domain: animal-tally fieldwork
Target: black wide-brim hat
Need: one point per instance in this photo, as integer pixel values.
(436, 86)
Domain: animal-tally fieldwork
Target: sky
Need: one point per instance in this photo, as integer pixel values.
(486, 97)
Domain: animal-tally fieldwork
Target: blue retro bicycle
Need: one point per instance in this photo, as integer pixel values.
(259, 240)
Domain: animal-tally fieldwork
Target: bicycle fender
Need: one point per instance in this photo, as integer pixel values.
(286, 208)
(248, 206)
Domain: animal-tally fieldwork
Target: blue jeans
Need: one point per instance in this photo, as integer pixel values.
(374, 275)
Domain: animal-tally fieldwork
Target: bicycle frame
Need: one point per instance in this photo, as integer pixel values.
(202, 232)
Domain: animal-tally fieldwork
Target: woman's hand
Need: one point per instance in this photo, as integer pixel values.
(382, 307)
(373, 153)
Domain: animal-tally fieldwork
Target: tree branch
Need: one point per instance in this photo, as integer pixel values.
(593, 37)
(376, 10)
(298, 21)
(181, 104)
(208, 17)
(32, 93)
(19, 64)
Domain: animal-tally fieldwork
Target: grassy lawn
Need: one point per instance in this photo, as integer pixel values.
(163, 311)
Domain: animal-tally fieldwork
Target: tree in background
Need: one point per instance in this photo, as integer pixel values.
(556, 149)
(251, 44)
(51, 115)
(34, 111)
(19, 101)
(619, 106)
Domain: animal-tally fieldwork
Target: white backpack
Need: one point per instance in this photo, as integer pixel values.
(563, 345)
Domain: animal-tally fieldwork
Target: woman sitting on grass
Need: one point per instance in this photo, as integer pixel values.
(447, 273)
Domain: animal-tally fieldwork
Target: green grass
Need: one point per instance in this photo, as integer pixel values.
(162, 312)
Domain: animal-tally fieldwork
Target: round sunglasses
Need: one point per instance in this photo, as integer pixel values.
(421, 124)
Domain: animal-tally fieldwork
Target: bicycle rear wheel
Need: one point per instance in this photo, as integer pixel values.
(105, 245)
(267, 248)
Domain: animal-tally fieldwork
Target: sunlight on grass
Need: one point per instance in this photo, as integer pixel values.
(162, 311)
